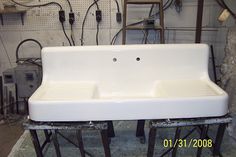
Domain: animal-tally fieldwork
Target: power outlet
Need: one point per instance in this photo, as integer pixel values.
(71, 18)
(118, 17)
(62, 17)
(98, 15)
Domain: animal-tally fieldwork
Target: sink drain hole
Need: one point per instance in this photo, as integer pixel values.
(114, 59)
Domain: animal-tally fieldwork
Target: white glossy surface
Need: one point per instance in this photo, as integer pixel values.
(85, 83)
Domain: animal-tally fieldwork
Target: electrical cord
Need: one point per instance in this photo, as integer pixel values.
(96, 3)
(117, 5)
(68, 1)
(71, 35)
(71, 21)
(20, 44)
(97, 33)
(116, 35)
(64, 31)
(83, 23)
(118, 13)
(146, 32)
(38, 5)
(47, 4)
(165, 7)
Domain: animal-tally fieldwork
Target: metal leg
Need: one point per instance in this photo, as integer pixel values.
(17, 100)
(36, 143)
(80, 142)
(140, 131)
(47, 135)
(47, 139)
(26, 105)
(1, 19)
(111, 132)
(55, 142)
(11, 103)
(177, 137)
(1, 94)
(105, 142)
(204, 130)
(151, 142)
(219, 138)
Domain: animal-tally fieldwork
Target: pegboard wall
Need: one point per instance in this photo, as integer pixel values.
(46, 18)
(43, 24)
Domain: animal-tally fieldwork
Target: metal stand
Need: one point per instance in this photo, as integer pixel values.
(1, 96)
(140, 133)
(111, 132)
(199, 124)
(54, 127)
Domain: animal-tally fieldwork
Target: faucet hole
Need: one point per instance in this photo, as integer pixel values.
(114, 59)
(137, 59)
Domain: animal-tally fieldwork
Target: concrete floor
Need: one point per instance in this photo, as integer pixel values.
(125, 144)
(10, 132)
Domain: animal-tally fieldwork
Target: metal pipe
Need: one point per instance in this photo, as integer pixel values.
(190, 29)
(198, 33)
(213, 64)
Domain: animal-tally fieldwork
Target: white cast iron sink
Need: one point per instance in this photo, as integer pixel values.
(95, 83)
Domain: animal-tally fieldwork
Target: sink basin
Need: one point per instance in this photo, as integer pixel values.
(96, 83)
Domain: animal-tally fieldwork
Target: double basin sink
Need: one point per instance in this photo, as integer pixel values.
(96, 83)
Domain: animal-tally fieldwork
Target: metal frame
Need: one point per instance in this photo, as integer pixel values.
(51, 129)
(199, 124)
(159, 28)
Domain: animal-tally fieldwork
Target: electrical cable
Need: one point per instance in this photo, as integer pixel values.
(117, 5)
(38, 5)
(97, 33)
(96, 2)
(22, 42)
(71, 35)
(71, 21)
(146, 34)
(64, 31)
(118, 13)
(83, 23)
(68, 1)
(165, 7)
(46, 4)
